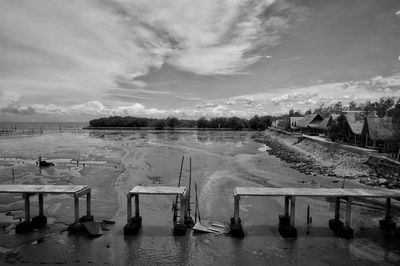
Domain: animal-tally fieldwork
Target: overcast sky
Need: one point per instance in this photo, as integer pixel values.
(77, 60)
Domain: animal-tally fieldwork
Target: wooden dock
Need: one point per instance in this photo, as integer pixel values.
(30, 190)
(287, 220)
(133, 224)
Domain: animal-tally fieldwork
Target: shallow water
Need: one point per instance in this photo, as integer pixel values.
(221, 160)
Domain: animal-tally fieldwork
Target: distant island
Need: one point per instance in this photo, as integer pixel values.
(231, 123)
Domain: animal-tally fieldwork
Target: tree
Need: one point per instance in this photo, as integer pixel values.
(369, 108)
(308, 112)
(172, 122)
(383, 106)
(202, 122)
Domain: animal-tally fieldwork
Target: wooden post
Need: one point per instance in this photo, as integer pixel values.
(337, 208)
(129, 207)
(27, 208)
(287, 206)
(40, 204)
(137, 212)
(348, 213)
(236, 209)
(76, 208)
(89, 203)
(292, 210)
(387, 213)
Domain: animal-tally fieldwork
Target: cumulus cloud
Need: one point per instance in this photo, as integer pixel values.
(298, 97)
(398, 13)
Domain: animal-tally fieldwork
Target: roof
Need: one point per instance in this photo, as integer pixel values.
(355, 121)
(380, 128)
(324, 125)
(308, 120)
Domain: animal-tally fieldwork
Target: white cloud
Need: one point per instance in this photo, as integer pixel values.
(398, 13)
(299, 97)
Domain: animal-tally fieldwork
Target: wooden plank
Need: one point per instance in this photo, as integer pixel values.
(49, 189)
(158, 190)
(315, 192)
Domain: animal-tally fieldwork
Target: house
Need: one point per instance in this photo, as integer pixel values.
(326, 124)
(379, 133)
(293, 122)
(309, 124)
(355, 121)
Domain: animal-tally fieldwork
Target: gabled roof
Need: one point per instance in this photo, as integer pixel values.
(380, 128)
(308, 120)
(355, 121)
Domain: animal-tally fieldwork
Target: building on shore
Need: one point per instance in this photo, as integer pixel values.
(379, 133)
(326, 125)
(309, 124)
(293, 122)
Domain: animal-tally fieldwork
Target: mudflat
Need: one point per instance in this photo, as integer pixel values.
(118, 161)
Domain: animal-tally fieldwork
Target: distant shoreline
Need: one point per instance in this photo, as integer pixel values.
(167, 128)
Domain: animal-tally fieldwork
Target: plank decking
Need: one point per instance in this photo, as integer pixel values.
(162, 190)
(316, 192)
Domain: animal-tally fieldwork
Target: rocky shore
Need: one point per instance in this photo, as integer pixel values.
(327, 159)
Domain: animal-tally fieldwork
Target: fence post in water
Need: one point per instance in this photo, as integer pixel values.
(89, 203)
(308, 214)
(292, 210)
(137, 212)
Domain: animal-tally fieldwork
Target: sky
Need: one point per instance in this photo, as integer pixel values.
(78, 60)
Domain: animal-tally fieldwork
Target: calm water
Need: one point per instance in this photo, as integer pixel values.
(220, 161)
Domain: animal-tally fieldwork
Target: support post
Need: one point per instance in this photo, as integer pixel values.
(348, 213)
(387, 223)
(128, 207)
(236, 229)
(287, 206)
(346, 231)
(27, 208)
(137, 212)
(183, 209)
(292, 210)
(40, 204)
(76, 208)
(236, 209)
(88, 204)
(337, 208)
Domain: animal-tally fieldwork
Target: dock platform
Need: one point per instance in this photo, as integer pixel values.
(287, 220)
(29, 190)
(134, 223)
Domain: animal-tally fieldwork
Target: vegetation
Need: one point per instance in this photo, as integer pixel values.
(234, 123)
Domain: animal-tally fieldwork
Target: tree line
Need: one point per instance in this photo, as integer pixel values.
(233, 123)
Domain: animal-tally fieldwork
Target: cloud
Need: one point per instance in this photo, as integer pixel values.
(86, 46)
(300, 98)
(397, 14)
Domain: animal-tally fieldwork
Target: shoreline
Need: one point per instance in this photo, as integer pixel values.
(315, 158)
